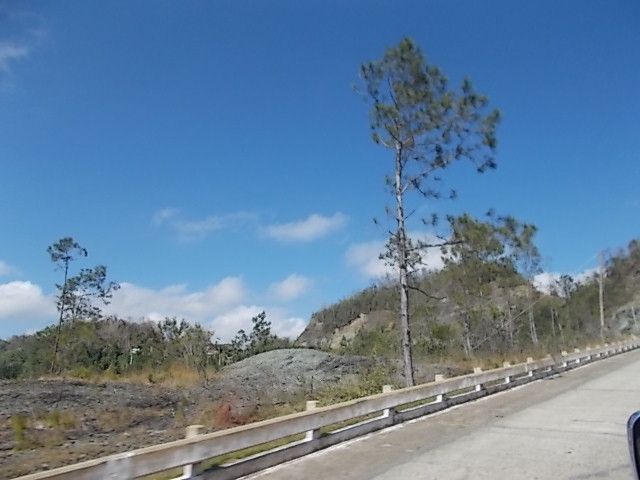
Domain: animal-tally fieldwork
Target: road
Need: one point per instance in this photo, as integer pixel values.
(571, 426)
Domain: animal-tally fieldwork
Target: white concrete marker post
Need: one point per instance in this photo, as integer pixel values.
(530, 372)
(312, 434)
(191, 470)
(478, 370)
(507, 379)
(388, 412)
(439, 378)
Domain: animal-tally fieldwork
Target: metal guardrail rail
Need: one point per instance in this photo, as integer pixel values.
(386, 408)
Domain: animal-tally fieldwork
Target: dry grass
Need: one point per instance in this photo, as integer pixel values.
(176, 375)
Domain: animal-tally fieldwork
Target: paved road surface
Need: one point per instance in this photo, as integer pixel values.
(571, 426)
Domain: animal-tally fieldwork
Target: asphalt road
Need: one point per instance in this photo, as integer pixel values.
(571, 426)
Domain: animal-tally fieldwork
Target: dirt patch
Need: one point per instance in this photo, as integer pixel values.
(49, 423)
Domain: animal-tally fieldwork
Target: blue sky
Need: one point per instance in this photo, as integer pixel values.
(215, 157)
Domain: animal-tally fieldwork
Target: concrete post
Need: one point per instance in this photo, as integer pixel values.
(478, 370)
(564, 354)
(577, 350)
(388, 412)
(439, 378)
(530, 372)
(507, 379)
(311, 434)
(189, 471)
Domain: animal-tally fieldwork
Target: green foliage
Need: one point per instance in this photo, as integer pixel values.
(377, 342)
(259, 340)
(107, 345)
(113, 347)
(369, 383)
(79, 296)
(428, 125)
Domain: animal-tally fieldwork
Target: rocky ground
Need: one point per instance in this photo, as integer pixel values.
(49, 423)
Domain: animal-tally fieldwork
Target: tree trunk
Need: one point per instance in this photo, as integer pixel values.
(532, 327)
(403, 272)
(601, 297)
(510, 326)
(532, 323)
(62, 298)
(468, 349)
(561, 333)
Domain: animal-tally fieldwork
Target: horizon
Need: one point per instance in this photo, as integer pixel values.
(219, 165)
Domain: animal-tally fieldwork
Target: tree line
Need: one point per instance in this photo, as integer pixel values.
(85, 341)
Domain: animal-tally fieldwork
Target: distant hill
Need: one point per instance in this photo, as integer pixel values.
(366, 322)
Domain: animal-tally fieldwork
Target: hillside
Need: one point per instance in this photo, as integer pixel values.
(497, 319)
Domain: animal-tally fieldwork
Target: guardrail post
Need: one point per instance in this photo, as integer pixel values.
(388, 412)
(193, 469)
(507, 379)
(478, 370)
(564, 354)
(439, 378)
(529, 371)
(577, 350)
(551, 367)
(311, 434)
(599, 354)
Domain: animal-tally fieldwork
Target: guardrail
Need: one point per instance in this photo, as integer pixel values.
(374, 412)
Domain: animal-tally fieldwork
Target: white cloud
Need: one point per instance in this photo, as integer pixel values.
(190, 230)
(365, 257)
(313, 227)
(9, 53)
(175, 300)
(163, 215)
(291, 287)
(585, 276)
(228, 324)
(5, 269)
(544, 281)
(285, 325)
(222, 307)
(24, 300)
